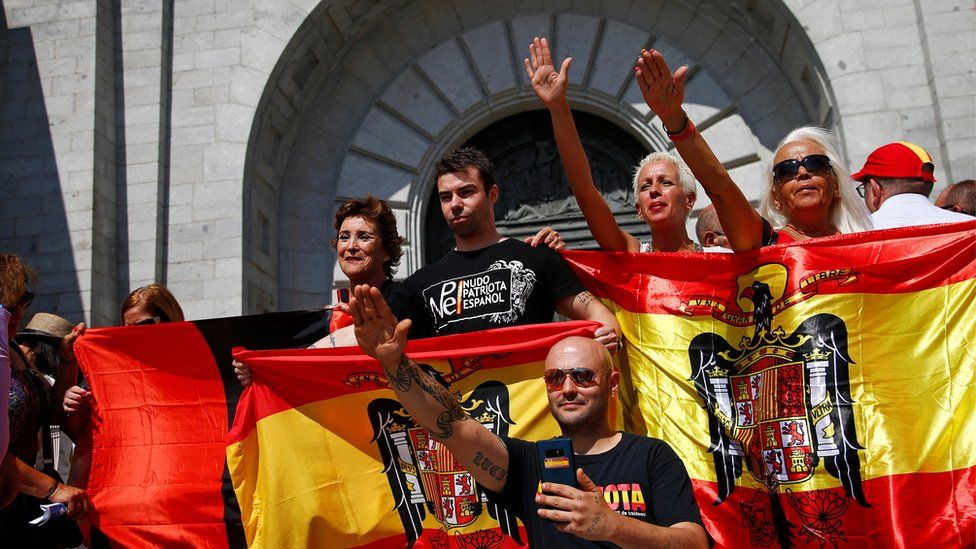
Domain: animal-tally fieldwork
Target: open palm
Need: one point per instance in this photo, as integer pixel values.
(548, 84)
(663, 91)
(377, 330)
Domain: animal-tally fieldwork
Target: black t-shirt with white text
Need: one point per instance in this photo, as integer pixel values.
(506, 284)
(641, 477)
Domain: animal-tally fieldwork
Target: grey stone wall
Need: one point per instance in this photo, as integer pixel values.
(204, 143)
(48, 151)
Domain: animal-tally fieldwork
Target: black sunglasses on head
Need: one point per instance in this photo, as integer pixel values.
(26, 299)
(786, 170)
(582, 377)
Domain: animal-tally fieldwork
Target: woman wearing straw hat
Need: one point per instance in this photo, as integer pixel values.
(31, 407)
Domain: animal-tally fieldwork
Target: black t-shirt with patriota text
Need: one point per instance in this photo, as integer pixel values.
(641, 478)
(506, 284)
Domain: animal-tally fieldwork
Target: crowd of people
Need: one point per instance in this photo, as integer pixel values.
(489, 281)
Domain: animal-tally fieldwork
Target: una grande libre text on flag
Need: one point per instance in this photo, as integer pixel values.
(820, 394)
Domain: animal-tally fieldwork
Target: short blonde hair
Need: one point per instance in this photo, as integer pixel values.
(685, 178)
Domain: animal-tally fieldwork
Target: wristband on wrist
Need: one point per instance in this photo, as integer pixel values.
(54, 488)
(686, 131)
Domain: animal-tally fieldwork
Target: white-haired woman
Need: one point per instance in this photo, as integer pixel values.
(804, 193)
(663, 185)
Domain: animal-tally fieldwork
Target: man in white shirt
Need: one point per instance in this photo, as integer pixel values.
(895, 182)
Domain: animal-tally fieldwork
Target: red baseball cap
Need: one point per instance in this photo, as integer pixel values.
(898, 160)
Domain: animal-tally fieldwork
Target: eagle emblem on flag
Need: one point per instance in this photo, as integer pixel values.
(778, 404)
(424, 475)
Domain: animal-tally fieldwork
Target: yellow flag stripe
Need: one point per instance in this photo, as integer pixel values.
(912, 381)
(318, 461)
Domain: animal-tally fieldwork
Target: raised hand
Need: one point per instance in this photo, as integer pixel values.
(548, 84)
(663, 91)
(377, 330)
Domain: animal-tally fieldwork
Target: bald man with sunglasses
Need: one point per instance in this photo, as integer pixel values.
(648, 500)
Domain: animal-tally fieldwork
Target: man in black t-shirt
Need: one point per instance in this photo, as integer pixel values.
(504, 284)
(633, 491)
(489, 281)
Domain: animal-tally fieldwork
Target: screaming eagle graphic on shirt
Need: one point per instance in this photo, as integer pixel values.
(499, 293)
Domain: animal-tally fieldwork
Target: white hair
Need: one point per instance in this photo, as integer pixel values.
(685, 178)
(848, 214)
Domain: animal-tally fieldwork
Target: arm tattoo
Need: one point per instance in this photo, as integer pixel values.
(448, 417)
(408, 373)
(585, 298)
(403, 378)
(489, 466)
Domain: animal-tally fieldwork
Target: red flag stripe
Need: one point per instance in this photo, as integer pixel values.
(889, 522)
(501, 348)
(904, 260)
(156, 438)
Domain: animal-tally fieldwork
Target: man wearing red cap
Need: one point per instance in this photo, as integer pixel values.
(895, 183)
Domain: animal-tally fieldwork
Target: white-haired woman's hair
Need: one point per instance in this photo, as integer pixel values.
(685, 178)
(847, 215)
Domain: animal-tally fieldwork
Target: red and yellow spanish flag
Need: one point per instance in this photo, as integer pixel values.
(164, 399)
(821, 394)
(322, 455)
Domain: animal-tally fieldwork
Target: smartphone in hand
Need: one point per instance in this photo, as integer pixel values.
(557, 462)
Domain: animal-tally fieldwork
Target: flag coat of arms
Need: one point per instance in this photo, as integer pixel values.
(323, 455)
(820, 394)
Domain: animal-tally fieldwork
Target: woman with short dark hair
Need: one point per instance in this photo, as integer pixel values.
(368, 248)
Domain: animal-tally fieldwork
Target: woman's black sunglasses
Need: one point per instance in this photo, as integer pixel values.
(582, 377)
(26, 299)
(786, 170)
(148, 321)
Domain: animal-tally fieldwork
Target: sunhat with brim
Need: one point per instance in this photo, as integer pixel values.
(47, 325)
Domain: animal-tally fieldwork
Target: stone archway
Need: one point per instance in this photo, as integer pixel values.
(368, 105)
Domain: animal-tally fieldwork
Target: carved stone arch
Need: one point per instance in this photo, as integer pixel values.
(365, 98)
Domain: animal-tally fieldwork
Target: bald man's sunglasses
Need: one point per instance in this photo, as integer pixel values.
(786, 170)
(582, 377)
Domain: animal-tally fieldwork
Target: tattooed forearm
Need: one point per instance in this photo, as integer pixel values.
(446, 419)
(407, 373)
(452, 408)
(489, 466)
(585, 298)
